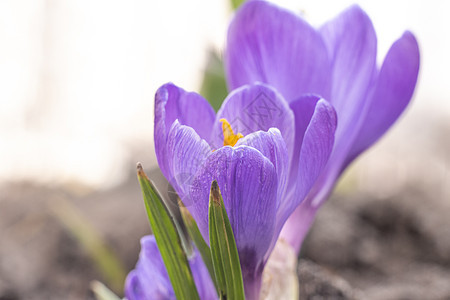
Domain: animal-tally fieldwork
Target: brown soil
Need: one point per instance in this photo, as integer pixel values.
(360, 247)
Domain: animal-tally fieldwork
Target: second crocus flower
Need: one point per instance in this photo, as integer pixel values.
(269, 44)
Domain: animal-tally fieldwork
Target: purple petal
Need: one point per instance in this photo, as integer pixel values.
(352, 46)
(298, 224)
(150, 279)
(351, 42)
(313, 156)
(303, 109)
(392, 93)
(133, 289)
(272, 146)
(389, 97)
(173, 103)
(185, 153)
(248, 183)
(205, 286)
(316, 147)
(315, 126)
(252, 108)
(272, 45)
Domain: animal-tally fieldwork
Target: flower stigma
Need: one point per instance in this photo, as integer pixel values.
(229, 138)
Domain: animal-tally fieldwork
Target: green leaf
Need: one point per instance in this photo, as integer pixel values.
(225, 258)
(168, 240)
(236, 3)
(101, 292)
(102, 255)
(214, 86)
(196, 236)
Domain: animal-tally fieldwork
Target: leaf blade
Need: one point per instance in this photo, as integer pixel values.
(224, 252)
(236, 3)
(167, 239)
(214, 86)
(102, 292)
(197, 238)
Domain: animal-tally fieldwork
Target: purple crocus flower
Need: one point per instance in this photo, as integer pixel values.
(338, 62)
(149, 280)
(248, 147)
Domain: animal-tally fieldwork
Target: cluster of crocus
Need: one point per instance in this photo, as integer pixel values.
(304, 103)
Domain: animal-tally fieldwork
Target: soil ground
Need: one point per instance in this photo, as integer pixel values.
(360, 247)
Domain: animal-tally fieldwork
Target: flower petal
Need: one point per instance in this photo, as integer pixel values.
(173, 103)
(391, 94)
(205, 286)
(133, 289)
(393, 91)
(252, 108)
(352, 45)
(272, 146)
(272, 45)
(315, 126)
(150, 279)
(248, 183)
(298, 224)
(185, 154)
(351, 41)
(316, 147)
(303, 109)
(316, 123)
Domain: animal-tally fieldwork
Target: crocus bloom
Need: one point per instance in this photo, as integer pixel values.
(247, 147)
(149, 280)
(338, 62)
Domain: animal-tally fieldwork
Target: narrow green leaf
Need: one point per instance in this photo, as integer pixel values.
(102, 255)
(168, 240)
(225, 258)
(214, 86)
(185, 242)
(101, 292)
(196, 236)
(236, 3)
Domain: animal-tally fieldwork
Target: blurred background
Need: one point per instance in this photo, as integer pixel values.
(77, 80)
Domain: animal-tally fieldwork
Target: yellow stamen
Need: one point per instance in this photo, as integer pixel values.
(229, 138)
